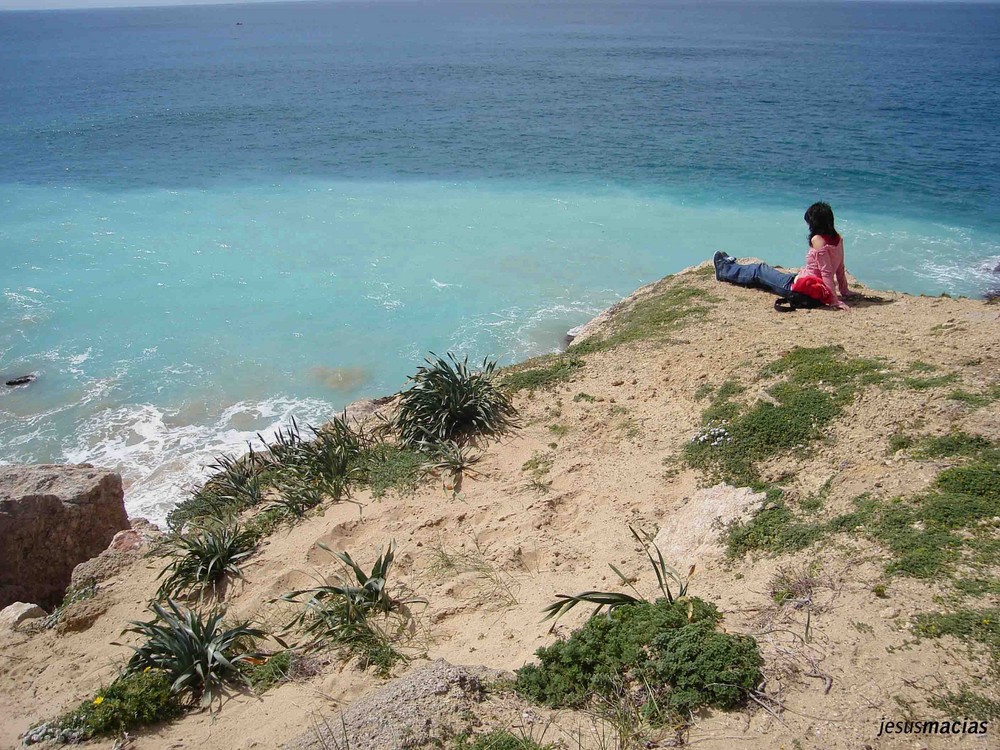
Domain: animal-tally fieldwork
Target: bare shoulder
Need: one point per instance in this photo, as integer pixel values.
(817, 242)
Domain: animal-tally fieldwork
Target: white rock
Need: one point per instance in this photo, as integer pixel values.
(18, 612)
(691, 534)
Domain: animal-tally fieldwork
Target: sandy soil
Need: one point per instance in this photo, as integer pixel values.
(834, 679)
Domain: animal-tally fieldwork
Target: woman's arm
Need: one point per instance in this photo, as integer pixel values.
(842, 281)
(827, 270)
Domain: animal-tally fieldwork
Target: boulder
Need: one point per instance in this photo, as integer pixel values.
(13, 615)
(51, 518)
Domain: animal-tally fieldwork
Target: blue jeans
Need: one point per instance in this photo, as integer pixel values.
(756, 275)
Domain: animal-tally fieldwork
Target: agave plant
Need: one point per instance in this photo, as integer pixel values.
(197, 652)
(448, 401)
(329, 461)
(238, 480)
(339, 611)
(613, 599)
(203, 557)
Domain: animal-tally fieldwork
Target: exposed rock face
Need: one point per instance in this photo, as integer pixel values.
(126, 547)
(51, 518)
(415, 711)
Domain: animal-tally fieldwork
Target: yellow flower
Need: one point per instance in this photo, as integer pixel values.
(146, 670)
(98, 700)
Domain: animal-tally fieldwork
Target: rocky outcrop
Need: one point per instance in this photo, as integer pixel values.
(417, 710)
(51, 518)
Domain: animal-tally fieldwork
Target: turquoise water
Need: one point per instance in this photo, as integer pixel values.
(207, 229)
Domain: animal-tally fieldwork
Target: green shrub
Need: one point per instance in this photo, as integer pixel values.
(198, 654)
(706, 667)
(132, 700)
(639, 643)
(326, 464)
(204, 557)
(448, 401)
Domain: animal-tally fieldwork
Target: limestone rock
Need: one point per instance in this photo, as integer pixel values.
(80, 615)
(51, 518)
(18, 612)
(126, 547)
(690, 535)
(414, 711)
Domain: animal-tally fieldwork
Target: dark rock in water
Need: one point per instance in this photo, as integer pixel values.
(992, 297)
(996, 268)
(22, 380)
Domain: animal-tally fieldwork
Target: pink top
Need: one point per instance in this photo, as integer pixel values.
(827, 262)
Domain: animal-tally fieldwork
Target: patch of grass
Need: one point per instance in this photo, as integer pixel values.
(497, 586)
(499, 739)
(967, 704)
(977, 586)
(538, 465)
(132, 700)
(272, 672)
(386, 467)
(817, 384)
(972, 626)
(652, 317)
(540, 373)
(934, 381)
(671, 654)
(919, 366)
(900, 441)
(774, 528)
(559, 430)
(581, 396)
(972, 399)
(703, 391)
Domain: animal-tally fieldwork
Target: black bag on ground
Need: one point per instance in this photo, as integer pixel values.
(796, 301)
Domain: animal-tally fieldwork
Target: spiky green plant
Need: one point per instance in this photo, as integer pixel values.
(452, 458)
(328, 461)
(238, 480)
(342, 610)
(203, 557)
(665, 575)
(197, 652)
(448, 401)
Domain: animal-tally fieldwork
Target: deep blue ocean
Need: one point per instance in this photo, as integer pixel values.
(213, 218)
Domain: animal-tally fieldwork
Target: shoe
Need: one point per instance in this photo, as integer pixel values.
(718, 259)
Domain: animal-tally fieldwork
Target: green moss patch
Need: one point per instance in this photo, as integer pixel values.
(541, 372)
(129, 702)
(816, 384)
(669, 657)
(653, 317)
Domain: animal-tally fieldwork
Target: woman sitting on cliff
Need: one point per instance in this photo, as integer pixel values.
(824, 263)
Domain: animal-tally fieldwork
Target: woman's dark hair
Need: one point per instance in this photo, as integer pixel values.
(819, 217)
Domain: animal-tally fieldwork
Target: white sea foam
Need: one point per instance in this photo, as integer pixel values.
(162, 456)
